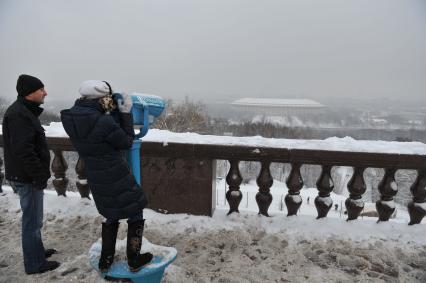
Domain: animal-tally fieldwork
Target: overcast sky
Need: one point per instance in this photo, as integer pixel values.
(218, 50)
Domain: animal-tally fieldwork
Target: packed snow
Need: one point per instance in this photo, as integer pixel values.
(244, 247)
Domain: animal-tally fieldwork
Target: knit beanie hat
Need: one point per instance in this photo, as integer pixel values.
(94, 89)
(27, 84)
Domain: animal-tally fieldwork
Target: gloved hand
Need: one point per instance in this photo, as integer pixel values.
(125, 103)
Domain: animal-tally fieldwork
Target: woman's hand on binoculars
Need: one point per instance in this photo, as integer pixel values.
(124, 103)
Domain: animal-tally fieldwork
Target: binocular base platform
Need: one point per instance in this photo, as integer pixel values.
(150, 273)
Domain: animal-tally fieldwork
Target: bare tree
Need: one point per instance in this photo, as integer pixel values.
(188, 116)
(3, 107)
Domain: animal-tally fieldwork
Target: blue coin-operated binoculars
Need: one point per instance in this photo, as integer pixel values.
(145, 109)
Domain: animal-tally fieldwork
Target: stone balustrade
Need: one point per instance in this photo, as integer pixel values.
(179, 177)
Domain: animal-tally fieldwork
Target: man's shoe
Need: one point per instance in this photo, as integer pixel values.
(49, 252)
(47, 266)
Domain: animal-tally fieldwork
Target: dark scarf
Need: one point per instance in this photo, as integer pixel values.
(31, 105)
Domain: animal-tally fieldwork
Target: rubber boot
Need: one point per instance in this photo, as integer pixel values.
(109, 237)
(136, 260)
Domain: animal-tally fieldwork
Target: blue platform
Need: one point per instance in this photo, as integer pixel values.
(150, 273)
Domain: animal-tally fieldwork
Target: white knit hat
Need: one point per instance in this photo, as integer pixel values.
(94, 89)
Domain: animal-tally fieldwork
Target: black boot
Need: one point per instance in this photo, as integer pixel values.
(134, 243)
(109, 237)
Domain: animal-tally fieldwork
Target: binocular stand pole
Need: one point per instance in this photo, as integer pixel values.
(134, 160)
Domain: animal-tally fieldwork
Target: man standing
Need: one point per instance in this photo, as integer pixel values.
(27, 161)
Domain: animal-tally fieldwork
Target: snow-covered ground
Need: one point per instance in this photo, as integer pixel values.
(241, 247)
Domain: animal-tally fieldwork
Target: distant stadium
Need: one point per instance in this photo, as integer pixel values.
(277, 107)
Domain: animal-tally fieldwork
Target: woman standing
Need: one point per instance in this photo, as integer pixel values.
(100, 130)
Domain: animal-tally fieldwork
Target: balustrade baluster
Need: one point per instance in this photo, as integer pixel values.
(233, 179)
(59, 167)
(388, 188)
(294, 182)
(81, 183)
(264, 181)
(356, 187)
(1, 175)
(417, 207)
(325, 186)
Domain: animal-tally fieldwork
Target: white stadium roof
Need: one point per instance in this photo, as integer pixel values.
(276, 102)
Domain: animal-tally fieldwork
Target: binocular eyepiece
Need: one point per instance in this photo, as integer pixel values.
(146, 108)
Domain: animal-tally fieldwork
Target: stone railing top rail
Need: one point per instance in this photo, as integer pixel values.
(331, 151)
(346, 144)
(330, 144)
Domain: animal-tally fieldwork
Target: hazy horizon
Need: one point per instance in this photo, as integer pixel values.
(219, 50)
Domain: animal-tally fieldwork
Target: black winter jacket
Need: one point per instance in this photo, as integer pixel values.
(99, 139)
(26, 155)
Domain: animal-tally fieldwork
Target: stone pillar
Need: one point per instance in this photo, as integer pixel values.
(1, 175)
(417, 207)
(234, 179)
(294, 182)
(264, 181)
(180, 185)
(59, 167)
(356, 186)
(81, 183)
(325, 185)
(388, 188)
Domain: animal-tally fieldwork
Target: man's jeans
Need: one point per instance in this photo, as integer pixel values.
(32, 222)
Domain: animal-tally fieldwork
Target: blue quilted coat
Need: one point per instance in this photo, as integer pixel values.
(100, 139)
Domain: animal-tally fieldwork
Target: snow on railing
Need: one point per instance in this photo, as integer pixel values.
(360, 155)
